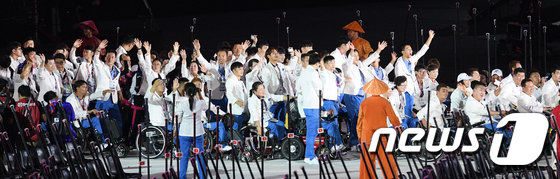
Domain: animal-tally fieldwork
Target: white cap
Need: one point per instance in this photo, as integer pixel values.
(497, 72)
(463, 76)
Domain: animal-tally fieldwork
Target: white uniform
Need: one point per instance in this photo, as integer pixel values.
(550, 95)
(48, 81)
(401, 69)
(235, 91)
(529, 104)
(184, 110)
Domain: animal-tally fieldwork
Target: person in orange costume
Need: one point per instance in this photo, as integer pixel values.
(373, 115)
(362, 45)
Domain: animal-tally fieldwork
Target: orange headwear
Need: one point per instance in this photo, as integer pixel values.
(354, 26)
(376, 87)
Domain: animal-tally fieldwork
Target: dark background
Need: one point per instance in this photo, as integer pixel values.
(162, 22)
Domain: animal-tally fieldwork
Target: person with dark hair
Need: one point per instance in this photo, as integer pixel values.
(362, 45)
(251, 52)
(193, 104)
(66, 76)
(84, 64)
(310, 85)
(238, 50)
(24, 96)
(512, 90)
(30, 55)
(342, 46)
(420, 98)
(461, 94)
(550, 89)
(152, 69)
(16, 55)
(437, 107)
(237, 95)
(275, 77)
(306, 46)
(28, 42)
(484, 76)
(402, 103)
(6, 71)
(23, 77)
(52, 101)
(194, 70)
(476, 110)
(474, 74)
(535, 76)
(353, 93)
(126, 45)
(48, 80)
(527, 102)
(407, 63)
(375, 71)
(513, 64)
(262, 48)
(431, 82)
(220, 70)
(107, 91)
(271, 124)
(332, 84)
(253, 72)
(79, 100)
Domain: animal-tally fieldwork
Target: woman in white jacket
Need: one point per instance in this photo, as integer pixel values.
(191, 131)
(257, 94)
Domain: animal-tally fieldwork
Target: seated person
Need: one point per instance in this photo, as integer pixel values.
(402, 103)
(475, 107)
(461, 94)
(526, 102)
(80, 104)
(436, 107)
(157, 104)
(24, 95)
(275, 126)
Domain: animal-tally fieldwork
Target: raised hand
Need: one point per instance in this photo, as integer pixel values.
(432, 33)
(245, 44)
(352, 46)
(103, 44)
(77, 43)
(196, 44)
(147, 46)
(138, 43)
(297, 53)
(176, 48)
(381, 45)
(183, 54)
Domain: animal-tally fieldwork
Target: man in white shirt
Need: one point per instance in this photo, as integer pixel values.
(343, 45)
(550, 89)
(124, 48)
(66, 76)
(437, 96)
(514, 64)
(107, 91)
(80, 101)
(47, 79)
(407, 63)
(527, 103)
(535, 76)
(496, 80)
(152, 69)
(84, 68)
(375, 70)
(239, 49)
(512, 90)
(220, 70)
(402, 103)
(331, 105)
(237, 95)
(475, 108)
(474, 74)
(16, 55)
(274, 76)
(306, 47)
(420, 97)
(462, 92)
(311, 85)
(353, 92)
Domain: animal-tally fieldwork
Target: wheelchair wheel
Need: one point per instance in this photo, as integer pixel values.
(122, 150)
(153, 142)
(209, 141)
(293, 148)
(323, 148)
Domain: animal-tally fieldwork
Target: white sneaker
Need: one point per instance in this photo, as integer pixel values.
(314, 161)
(226, 148)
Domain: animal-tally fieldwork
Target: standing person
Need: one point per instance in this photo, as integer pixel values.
(220, 70)
(535, 77)
(47, 79)
(107, 91)
(514, 64)
(331, 85)
(362, 45)
(353, 93)
(311, 85)
(237, 95)
(375, 70)
(66, 76)
(16, 55)
(89, 39)
(194, 104)
(124, 48)
(407, 63)
(154, 69)
(84, 68)
(274, 76)
(343, 45)
(551, 88)
(374, 112)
